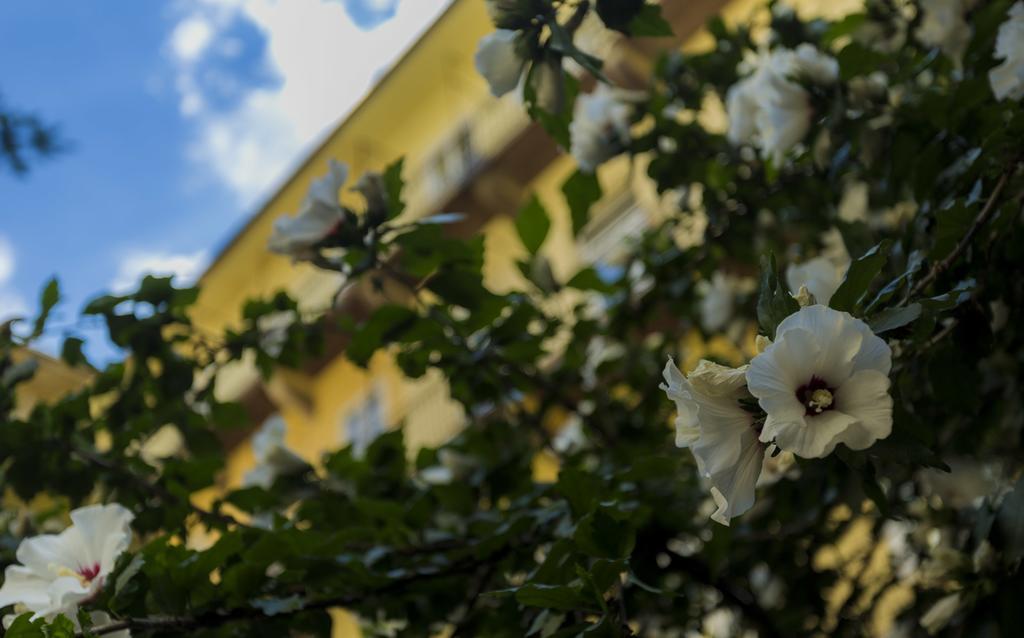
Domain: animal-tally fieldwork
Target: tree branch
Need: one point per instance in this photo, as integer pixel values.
(221, 617)
(987, 211)
(103, 463)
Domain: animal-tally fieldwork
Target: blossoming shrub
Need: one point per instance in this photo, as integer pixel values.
(854, 429)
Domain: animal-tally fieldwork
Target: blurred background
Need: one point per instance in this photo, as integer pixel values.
(174, 121)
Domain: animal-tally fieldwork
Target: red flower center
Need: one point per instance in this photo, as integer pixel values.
(89, 572)
(816, 396)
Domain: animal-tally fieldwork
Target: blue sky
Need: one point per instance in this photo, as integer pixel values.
(181, 116)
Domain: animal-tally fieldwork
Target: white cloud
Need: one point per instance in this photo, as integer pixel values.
(185, 268)
(325, 64)
(379, 5)
(12, 304)
(6, 260)
(190, 38)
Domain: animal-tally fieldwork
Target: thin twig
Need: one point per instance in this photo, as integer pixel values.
(220, 617)
(207, 516)
(987, 211)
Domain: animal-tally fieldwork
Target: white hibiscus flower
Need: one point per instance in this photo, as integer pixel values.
(719, 431)
(498, 61)
(824, 381)
(451, 466)
(600, 126)
(319, 215)
(822, 275)
(273, 457)
(854, 206)
(571, 438)
(769, 109)
(60, 572)
(273, 329)
(718, 298)
(943, 25)
(1007, 78)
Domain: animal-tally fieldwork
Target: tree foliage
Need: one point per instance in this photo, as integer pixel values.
(620, 543)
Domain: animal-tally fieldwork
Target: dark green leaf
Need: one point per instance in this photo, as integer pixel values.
(895, 317)
(581, 191)
(393, 184)
(603, 536)
(861, 274)
(71, 352)
(588, 279)
(533, 225)
(47, 300)
(385, 325)
(774, 303)
(1011, 522)
(23, 627)
(562, 597)
(649, 23)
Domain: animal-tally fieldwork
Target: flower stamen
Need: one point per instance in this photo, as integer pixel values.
(816, 396)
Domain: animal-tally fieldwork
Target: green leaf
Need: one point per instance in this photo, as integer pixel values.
(61, 627)
(857, 59)
(649, 23)
(228, 414)
(581, 191)
(533, 224)
(619, 14)
(556, 123)
(859, 277)
(393, 185)
(562, 597)
(605, 572)
(633, 17)
(588, 279)
(603, 536)
(579, 488)
(947, 301)
(843, 27)
(951, 225)
(71, 352)
(774, 303)
(386, 323)
(895, 317)
(1011, 522)
(103, 305)
(24, 627)
(47, 300)
(128, 573)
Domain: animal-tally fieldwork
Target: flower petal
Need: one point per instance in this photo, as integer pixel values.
(498, 62)
(838, 336)
(815, 437)
(678, 390)
(733, 490)
(105, 532)
(865, 397)
(23, 585)
(48, 552)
